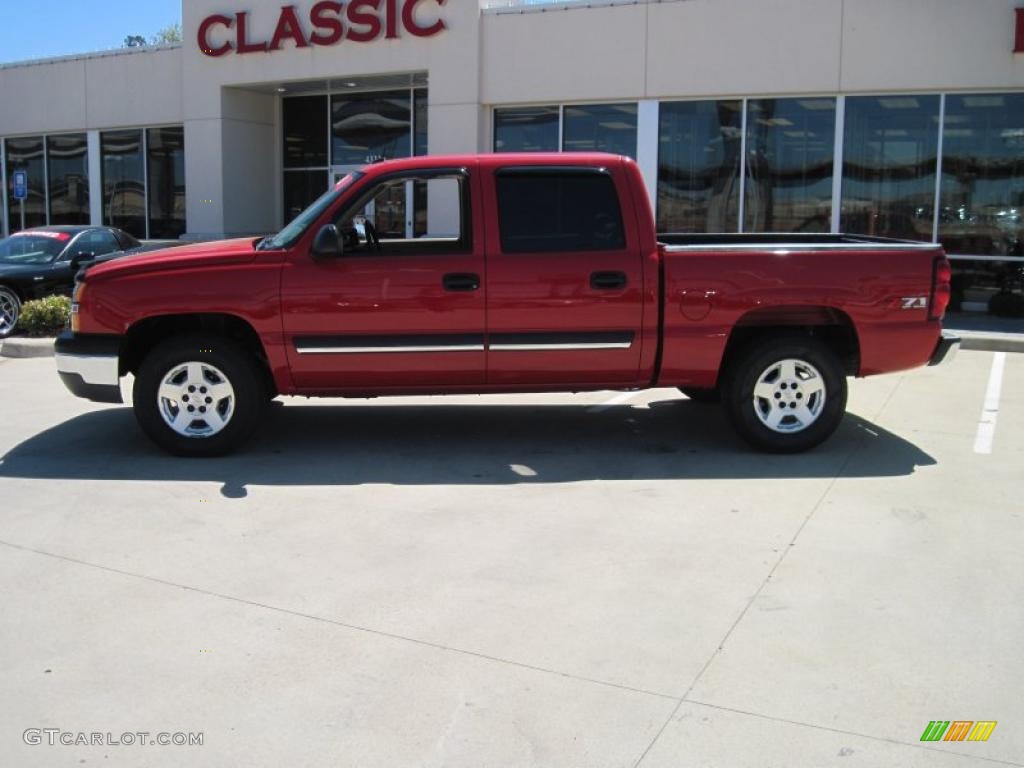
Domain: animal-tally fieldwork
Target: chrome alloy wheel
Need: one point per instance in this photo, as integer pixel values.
(789, 396)
(10, 309)
(196, 400)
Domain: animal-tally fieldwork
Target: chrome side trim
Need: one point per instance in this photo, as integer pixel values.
(381, 350)
(99, 370)
(561, 347)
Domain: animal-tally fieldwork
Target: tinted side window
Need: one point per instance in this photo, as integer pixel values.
(98, 242)
(558, 211)
(126, 241)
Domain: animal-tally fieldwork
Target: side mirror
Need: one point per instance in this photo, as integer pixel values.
(327, 243)
(81, 258)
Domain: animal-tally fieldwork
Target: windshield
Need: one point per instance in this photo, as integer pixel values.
(33, 248)
(288, 236)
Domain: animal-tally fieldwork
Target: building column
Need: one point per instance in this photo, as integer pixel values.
(452, 129)
(4, 226)
(647, 147)
(95, 178)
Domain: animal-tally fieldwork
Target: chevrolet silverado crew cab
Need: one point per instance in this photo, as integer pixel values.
(501, 273)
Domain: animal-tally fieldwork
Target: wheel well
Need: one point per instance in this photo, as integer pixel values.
(146, 334)
(14, 289)
(827, 324)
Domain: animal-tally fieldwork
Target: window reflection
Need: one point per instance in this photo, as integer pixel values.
(526, 129)
(790, 146)
(370, 126)
(301, 188)
(982, 194)
(124, 181)
(600, 128)
(26, 154)
(166, 164)
(889, 159)
(304, 122)
(699, 166)
(422, 121)
(996, 287)
(68, 174)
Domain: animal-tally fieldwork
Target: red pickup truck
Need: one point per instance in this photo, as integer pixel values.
(510, 273)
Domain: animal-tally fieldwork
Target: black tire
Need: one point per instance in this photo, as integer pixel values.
(241, 370)
(748, 367)
(703, 396)
(10, 311)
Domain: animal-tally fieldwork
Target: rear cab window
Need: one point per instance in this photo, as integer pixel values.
(558, 209)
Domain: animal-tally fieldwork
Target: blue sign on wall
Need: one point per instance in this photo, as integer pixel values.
(20, 185)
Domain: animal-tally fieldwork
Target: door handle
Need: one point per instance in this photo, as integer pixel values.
(608, 281)
(461, 282)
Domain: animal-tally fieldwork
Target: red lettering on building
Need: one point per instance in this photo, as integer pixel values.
(241, 27)
(288, 28)
(392, 17)
(330, 22)
(1019, 45)
(409, 20)
(363, 26)
(204, 35)
(326, 19)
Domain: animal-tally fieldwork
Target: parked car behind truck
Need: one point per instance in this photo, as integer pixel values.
(543, 273)
(43, 261)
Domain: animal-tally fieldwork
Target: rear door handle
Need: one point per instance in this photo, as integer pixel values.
(461, 281)
(608, 281)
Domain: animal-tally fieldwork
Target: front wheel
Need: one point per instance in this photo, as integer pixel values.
(786, 395)
(199, 395)
(10, 311)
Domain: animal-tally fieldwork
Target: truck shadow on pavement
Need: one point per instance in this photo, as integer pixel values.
(357, 443)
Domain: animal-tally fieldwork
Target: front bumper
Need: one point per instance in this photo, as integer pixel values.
(946, 349)
(88, 366)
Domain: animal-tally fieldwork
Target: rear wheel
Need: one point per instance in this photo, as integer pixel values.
(199, 395)
(10, 311)
(786, 395)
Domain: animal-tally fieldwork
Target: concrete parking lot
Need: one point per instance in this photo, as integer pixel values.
(563, 581)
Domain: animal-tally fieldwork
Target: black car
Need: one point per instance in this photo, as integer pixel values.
(43, 261)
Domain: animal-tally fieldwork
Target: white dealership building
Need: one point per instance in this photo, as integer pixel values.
(889, 117)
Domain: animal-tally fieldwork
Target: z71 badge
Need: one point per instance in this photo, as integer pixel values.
(915, 302)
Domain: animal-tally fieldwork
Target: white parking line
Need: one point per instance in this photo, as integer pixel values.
(619, 399)
(990, 410)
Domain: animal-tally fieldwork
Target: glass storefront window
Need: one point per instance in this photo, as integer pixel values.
(371, 126)
(526, 129)
(124, 181)
(422, 121)
(600, 128)
(364, 127)
(27, 154)
(304, 123)
(995, 287)
(300, 189)
(790, 146)
(890, 152)
(68, 172)
(166, 165)
(981, 210)
(699, 148)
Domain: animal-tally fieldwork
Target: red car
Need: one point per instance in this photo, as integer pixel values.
(528, 273)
